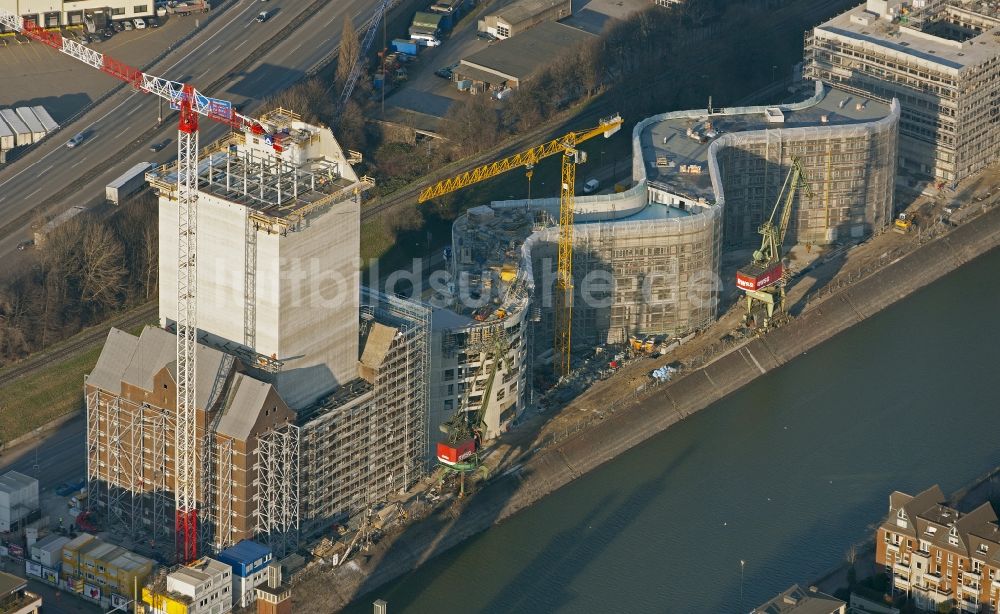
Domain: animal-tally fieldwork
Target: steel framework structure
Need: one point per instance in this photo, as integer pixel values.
(277, 484)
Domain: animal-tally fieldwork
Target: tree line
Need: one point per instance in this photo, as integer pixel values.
(87, 269)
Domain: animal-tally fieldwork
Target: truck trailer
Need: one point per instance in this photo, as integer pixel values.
(129, 183)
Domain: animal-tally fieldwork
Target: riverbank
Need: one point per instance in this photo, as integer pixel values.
(548, 469)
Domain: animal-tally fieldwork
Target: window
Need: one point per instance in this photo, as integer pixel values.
(140, 8)
(449, 374)
(503, 31)
(117, 11)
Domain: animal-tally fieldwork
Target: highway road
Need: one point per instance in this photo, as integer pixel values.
(119, 129)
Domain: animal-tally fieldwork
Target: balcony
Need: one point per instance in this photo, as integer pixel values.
(901, 583)
(901, 569)
(968, 606)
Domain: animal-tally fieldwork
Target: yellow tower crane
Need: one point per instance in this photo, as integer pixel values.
(571, 156)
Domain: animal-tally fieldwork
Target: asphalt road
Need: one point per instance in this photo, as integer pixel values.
(116, 123)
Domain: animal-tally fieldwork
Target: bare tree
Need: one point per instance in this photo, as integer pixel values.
(102, 273)
(473, 124)
(350, 52)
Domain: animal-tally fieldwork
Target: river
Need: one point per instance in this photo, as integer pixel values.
(784, 474)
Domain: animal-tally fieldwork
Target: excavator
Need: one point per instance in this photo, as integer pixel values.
(459, 453)
(763, 279)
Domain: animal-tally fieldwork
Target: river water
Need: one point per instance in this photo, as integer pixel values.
(784, 474)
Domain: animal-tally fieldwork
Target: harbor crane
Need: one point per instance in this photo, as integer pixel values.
(763, 279)
(190, 103)
(567, 145)
(466, 429)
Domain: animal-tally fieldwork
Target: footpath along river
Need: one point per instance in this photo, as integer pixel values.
(784, 474)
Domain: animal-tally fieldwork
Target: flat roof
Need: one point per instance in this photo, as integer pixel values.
(667, 142)
(520, 56)
(867, 27)
(13, 481)
(517, 12)
(9, 583)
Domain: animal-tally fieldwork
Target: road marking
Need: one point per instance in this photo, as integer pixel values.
(217, 48)
(299, 47)
(241, 44)
(134, 109)
(33, 193)
(78, 163)
(755, 361)
(123, 132)
(49, 168)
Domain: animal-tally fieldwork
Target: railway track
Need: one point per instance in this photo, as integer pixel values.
(77, 344)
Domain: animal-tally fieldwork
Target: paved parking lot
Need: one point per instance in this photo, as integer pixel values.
(34, 74)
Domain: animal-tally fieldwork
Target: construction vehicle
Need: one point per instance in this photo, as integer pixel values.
(465, 431)
(763, 279)
(571, 157)
(191, 103)
(903, 223)
(642, 346)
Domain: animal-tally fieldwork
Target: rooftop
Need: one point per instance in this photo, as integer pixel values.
(798, 601)
(519, 11)
(931, 36)
(675, 150)
(246, 551)
(296, 168)
(10, 583)
(13, 481)
(520, 56)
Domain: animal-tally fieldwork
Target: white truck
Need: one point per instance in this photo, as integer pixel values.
(131, 182)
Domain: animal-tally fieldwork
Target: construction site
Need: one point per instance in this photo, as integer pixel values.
(939, 58)
(311, 399)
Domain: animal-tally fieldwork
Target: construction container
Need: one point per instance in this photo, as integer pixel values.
(408, 46)
(131, 182)
(71, 553)
(6, 137)
(453, 454)
(22, 136)
(48, 551)
(757, 276)
(43, 116)
(18, 500)
(249, 561)
(28, 117)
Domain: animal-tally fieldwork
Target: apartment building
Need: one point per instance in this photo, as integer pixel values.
(940, 59)
(936, 554)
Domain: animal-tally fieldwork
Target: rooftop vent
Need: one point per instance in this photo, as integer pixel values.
(774, 115)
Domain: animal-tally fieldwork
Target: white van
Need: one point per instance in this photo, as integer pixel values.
(591, 186)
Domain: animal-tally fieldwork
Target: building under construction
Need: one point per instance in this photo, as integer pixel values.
(939, 58)
(311, 392)
(647, 260)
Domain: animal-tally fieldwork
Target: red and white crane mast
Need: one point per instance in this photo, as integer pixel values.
(191, 104)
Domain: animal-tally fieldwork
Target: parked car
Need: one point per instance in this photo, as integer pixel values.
(140, 24)
(109, 32)
(76, 140)
(444, 73)
(591, 186)
(118, 26)
(153, 22)
(23, 245)
(486, 35)
(127, 24)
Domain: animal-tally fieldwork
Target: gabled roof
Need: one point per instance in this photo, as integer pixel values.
(135, 361)
(377, 344)
(243, 406)
(114, 360)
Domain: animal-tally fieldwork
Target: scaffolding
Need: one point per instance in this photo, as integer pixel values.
(367, 440)
(129, 469)
(277, 489)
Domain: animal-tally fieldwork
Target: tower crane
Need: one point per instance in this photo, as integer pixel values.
(763, 279)
(571, 156)
(352, 77)
(191, 104)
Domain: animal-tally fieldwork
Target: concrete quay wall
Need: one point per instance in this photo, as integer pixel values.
(556, 466)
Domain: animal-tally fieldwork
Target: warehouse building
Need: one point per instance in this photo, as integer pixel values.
(522, 15)
(311, 392)
(54, 13)
(940, 59)
(18, 501)
(508, 63)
